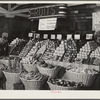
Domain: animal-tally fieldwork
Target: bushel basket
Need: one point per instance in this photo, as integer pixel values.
(86, 79)
(32, 84)
(51, 72)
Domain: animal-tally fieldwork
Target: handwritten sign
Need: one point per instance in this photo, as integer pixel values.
(89, 36)
(69, 36)
(47, 24)
(52, 36)
(77, 36)
(59, 36)
(45, 36)
(37, 35)
(96, 21)
(30, 35)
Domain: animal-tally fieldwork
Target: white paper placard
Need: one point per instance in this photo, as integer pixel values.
(59, 36)
(30, 34)
(69, 36)
(37, 35)
(89, 36)
(47, 24)
(52, 36)
(96, 21)
(45, 36)
(77, 36)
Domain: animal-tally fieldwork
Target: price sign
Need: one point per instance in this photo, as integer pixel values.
(37, 35)
(52, 36)
(45, 36)
(89, 36)
(30, 35)
(69, 36)
(77, 36)
(59, 36)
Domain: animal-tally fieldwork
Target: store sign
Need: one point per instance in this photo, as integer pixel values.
(96, 21)
(47, 24)
(47, 11)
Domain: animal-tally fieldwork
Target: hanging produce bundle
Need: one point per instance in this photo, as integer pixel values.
(70, 51)
(50, 49)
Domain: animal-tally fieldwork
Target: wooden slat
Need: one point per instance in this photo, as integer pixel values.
(13, 8)
(9, 7)
(22, 15)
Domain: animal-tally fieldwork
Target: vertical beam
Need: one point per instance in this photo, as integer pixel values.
(9, 7)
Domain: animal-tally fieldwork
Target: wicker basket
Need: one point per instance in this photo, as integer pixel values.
(86, 79)
(56, 87)
(12, 77)
(49, 72)
(32, 84)
(30, 67)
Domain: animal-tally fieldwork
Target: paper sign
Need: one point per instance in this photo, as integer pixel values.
(69, 36)
(52, 36)
(47, 24)
(59, 37)
(89, 36)
(45, 36)
(37, 35)
(77, 36)
(96, 21)
(30, 35)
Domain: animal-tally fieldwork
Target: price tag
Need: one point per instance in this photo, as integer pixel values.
(37, 35)
(45, 36)
(30, 35)
(69, 36)
(52, 36)
(59, 37)
(77, 36)
(89, 36)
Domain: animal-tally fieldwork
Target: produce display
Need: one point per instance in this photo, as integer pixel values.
(65, 83)
(20, 45)
(70, 51)
(82, 70)
(27, 48)
(31, 75)
(42, 63)
(86, 50)
(50, 49)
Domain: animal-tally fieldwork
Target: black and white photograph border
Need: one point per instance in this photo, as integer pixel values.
(49, 49)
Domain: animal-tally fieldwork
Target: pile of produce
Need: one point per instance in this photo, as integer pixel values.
(86, 50)
(42, 63)
(16, 46)
(31, 75)
(82, 70)
(70, 51)
(27, 48)
(64, 83)
(51, 46)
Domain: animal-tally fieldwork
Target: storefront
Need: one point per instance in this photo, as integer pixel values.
(59, 52)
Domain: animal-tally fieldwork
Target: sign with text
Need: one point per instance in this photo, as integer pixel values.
(69, 36)
(47, 24)
(89, 36)
(45, 36)
(96, 21)
(52, 36)
(48, 11)
(77, 36)
(59, 36)
(37, 35)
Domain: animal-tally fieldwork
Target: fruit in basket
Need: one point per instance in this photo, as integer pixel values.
(31, 75)
(65, 83)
